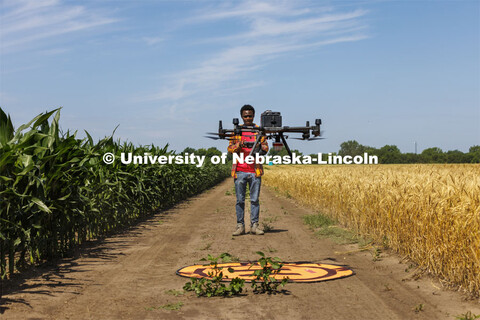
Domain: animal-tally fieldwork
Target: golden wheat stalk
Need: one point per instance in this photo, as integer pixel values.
(429, 213)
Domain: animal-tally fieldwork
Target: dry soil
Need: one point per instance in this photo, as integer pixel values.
(131, 275)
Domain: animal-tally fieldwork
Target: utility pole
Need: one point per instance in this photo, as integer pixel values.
(415, 147)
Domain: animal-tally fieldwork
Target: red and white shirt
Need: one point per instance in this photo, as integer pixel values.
(245, 167)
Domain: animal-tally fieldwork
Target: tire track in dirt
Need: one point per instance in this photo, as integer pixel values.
(126, 276)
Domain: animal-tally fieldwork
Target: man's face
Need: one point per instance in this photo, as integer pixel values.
(247, 117)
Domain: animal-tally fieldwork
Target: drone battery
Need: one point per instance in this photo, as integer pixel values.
(271, 119)
(277, 146)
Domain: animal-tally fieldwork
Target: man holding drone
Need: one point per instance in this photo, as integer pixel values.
(244, 173)
(250, 139)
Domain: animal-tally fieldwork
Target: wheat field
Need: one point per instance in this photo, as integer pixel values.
(429, 213)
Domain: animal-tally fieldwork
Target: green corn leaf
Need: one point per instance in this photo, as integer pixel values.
(17, 242)
(42, 117)
(26, 160)
(90, 140)
(41, 205)
(64, 197)
(6, 128)
(38, 119)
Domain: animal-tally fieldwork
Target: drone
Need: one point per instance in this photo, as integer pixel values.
(271, 128)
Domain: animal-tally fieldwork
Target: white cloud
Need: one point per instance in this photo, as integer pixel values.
(26, 22)
(152, 40)
(250, 9)
(271, 30)
(272, 27)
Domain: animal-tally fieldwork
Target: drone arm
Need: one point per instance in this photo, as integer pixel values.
(261, 139)
(286, 145)
(296, 129)
(254, 145)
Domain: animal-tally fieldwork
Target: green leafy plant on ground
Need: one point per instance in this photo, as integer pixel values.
(175, 293)
(168, 306)
(268, 223)
(207, 246)
(419, 307)
(215, 287)
(468, 316)
(230, 192)
(326, 227)
(271, 250)
(265, 281)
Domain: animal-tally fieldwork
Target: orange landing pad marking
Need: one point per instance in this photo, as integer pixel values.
(296, 272)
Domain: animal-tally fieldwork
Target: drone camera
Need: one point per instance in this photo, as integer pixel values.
(271, 119)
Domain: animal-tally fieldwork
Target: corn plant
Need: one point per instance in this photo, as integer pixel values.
(56, 192)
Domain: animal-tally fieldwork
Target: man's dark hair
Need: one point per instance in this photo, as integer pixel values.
(247, 107)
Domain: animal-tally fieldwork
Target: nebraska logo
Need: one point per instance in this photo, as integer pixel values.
(296, 272)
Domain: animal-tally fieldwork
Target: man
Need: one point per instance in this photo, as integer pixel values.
(247, 173)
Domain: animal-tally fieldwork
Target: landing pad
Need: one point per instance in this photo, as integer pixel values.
(295, 271)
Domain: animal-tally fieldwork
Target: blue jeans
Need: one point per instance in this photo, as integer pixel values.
(240, 189)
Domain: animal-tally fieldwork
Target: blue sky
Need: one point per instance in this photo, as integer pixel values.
(379, 72)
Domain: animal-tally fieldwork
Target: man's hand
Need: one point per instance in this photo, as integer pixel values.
(239, 144)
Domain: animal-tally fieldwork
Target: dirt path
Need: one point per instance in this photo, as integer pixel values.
(127, 276)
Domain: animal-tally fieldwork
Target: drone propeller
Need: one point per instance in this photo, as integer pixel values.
(213, 138)
(218, 138)
(309, 139)
(220, 134)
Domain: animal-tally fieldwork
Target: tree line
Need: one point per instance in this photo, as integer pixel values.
(391, 154)
(385, 154)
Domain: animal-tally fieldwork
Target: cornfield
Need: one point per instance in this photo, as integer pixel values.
(56, 192)
(428, 213)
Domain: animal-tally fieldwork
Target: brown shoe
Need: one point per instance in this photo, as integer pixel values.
(240, 230)
(255, 230)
